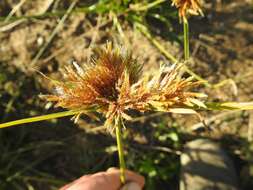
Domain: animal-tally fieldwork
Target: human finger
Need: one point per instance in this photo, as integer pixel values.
(130, 176)
(79, 180)
(131, 186)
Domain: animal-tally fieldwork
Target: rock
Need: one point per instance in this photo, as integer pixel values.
(205, 166)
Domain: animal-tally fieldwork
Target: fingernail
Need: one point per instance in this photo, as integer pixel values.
(112, 169)
(131, 186)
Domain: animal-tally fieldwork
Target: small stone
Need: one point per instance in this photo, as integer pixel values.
(206, 166)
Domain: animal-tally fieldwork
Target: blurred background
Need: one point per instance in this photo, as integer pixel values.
(50, 34)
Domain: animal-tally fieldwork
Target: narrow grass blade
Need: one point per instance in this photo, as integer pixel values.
(39, 118)
(55, 31)
(148, 6)
(14, 10)
(186, 41)
(239, 105)
(230, 106)
(169, 56)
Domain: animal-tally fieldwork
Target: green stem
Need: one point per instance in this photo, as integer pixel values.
(148, 6)
(169, 56)
(120, 151)
(186, 41)
(143, 29)
(39, 118)
(229, 105)
(53, 34)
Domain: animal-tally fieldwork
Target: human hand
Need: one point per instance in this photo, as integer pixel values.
(109, 180)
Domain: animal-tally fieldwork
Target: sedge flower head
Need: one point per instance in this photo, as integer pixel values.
(187, 7)
(112, 85)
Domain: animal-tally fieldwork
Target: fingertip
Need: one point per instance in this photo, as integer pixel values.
(131, 186)
(79, 180)
(132, 176)
(112, 169)
(114, 173)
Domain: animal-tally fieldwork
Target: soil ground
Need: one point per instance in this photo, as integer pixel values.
(222, 50)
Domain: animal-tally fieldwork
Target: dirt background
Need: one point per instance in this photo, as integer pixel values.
(222, 53)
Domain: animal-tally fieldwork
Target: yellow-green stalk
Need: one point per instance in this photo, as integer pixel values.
(186, 41)
(120, 147)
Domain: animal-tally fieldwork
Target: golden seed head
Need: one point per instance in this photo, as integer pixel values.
(112, 85)
(188, 7)
(99, 81)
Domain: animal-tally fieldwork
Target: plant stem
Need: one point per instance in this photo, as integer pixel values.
(229, 105)
(169, 56)
(148, 6)
(143, 29)
(53, 34)
(186, 41)
(120, 151)
(39, 118)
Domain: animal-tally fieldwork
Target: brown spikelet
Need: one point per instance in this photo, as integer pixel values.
(111, 84)
(186, 7)
(163, 92)
(97, 83)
